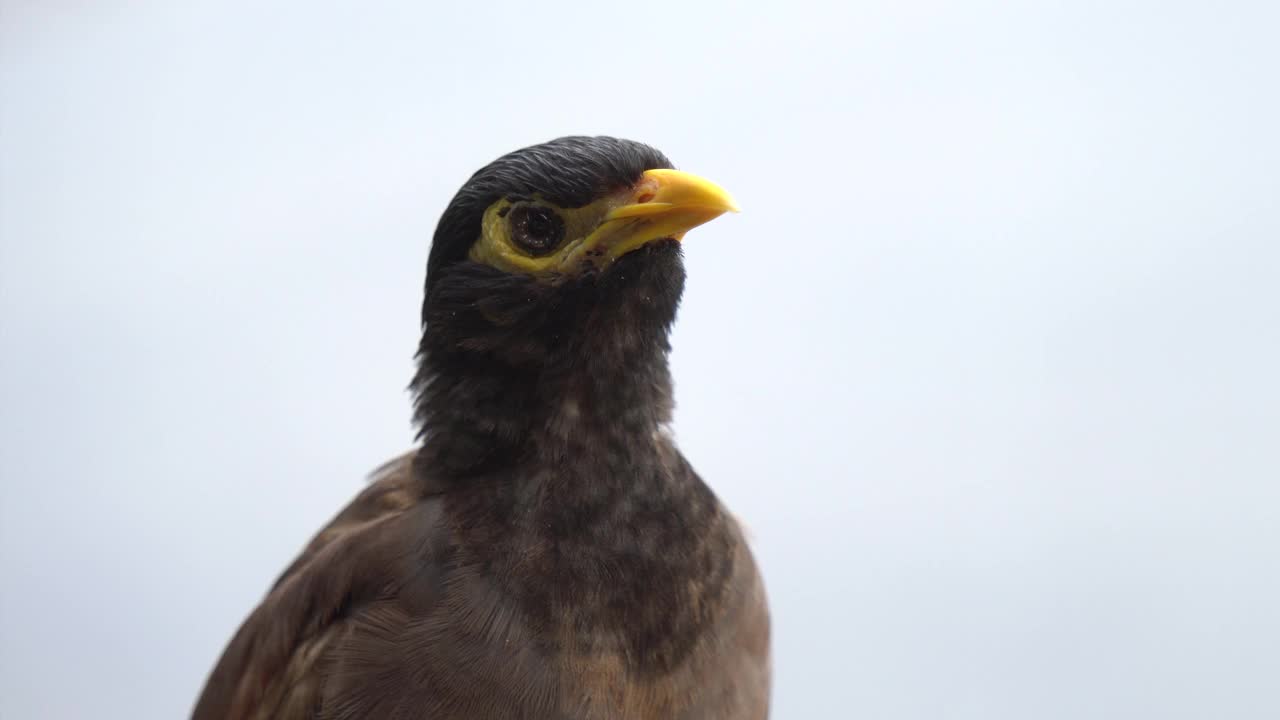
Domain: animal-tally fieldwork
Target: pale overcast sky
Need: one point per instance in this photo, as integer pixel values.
(989, 363)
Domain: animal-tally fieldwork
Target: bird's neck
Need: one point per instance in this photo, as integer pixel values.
(477, 413)
(527, 369)
(542, 411)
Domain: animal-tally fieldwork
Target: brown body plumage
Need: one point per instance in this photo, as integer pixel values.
(547, 552)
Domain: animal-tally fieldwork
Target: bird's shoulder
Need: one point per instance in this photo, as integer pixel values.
(375, 562)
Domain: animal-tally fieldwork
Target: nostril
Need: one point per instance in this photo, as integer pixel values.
(645, 196)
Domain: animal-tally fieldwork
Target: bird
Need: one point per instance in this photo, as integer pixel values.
(544, 550)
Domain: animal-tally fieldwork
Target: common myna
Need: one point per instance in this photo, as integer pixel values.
(546, 552)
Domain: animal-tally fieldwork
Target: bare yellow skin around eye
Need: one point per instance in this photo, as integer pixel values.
(663, 203)
(496, 248)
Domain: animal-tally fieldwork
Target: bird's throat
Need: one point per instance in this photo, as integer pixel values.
(509, 367)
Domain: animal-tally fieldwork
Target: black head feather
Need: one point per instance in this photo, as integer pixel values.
(570, 172)
(501, 352)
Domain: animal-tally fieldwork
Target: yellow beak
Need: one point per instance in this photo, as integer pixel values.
(663, 204)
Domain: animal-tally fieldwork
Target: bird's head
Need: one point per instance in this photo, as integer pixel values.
(573, 206)
(553, 261)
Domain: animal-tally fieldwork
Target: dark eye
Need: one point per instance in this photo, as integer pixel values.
(537, 230)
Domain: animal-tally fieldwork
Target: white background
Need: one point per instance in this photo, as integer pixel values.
(988, 364)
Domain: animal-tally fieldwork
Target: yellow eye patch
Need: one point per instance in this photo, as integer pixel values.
(506, 223)
(535, 237)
